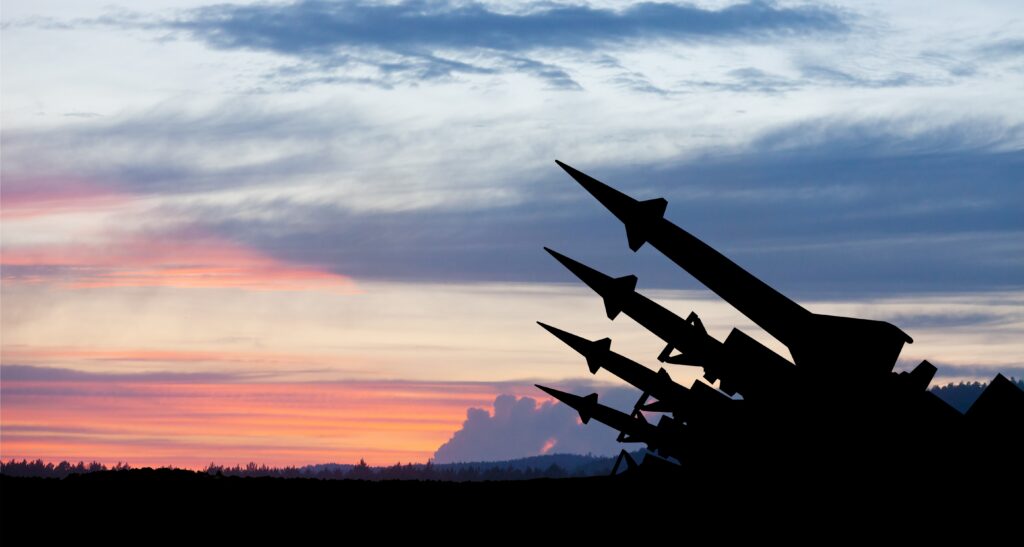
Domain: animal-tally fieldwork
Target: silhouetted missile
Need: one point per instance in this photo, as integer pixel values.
(1001, 404)
(583, 405)
(764, 305)
(614, 290)
(620, 296)
(811, 338)
(664, 437)
(595, 352)
(640, 217)
(743, 364)
(671, 396)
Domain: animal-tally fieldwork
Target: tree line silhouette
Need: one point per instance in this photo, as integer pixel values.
(39, 468)
(961, 396)
(543, 467)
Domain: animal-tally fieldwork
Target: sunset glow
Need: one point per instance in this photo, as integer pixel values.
(227, 238)
(157, 423)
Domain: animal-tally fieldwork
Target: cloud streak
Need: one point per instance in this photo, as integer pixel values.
(821, 205)
(23, 198)
(320, 28)
(420, 40)
(186, 259)
(818, 207)
(889, 196)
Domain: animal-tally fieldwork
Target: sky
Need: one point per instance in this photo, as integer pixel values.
(298, 233)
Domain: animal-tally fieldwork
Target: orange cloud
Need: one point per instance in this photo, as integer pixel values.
(190, 259)
(151, 422)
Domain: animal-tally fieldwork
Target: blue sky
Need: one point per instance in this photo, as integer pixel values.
(309, 179)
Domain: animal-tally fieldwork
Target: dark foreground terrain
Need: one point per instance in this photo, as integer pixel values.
(117, 506)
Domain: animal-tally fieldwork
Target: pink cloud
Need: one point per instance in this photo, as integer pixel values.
(186, 259)
(36, 197)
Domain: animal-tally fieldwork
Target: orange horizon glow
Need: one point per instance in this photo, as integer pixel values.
(190, 425)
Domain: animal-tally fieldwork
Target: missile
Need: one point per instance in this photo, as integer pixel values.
(671, 396)
(585, 406)
(742, 363)
(596, 352)
(764, 305)
(620, 296)
(614, 290)
(664, 437)
(849, 345)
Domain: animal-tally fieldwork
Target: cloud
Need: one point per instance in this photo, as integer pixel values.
(34, 374)
(37, 196)
(1011, 48)
(320, 28)
(520, 427)
(948, 319)
(822, 205)
(417, 40)
(834, 76)
(754, 80)
(816, 208)
(180, 149)
(408, 42)
(257, 365)
(188, 258)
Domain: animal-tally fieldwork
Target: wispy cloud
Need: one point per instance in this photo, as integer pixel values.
(38, 197)
(188, 259)
(826, 206)
(755, 80)
(883, 204)
(817, 73)
(97, 364)
(35, 374)
(313, 27)
(414, 41)
(420, 40)
(1007, 48)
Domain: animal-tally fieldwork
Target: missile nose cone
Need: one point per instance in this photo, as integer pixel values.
(595, 351)
(583, 405)
(614, 291)
(610, 197)
(546, 389)
(578, 343)
(560, 395)
(637, 216)
(580, 177)
(593, 278)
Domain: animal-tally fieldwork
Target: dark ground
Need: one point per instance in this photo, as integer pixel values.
(118, 506)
